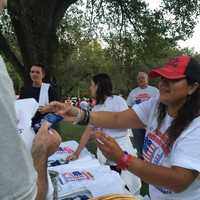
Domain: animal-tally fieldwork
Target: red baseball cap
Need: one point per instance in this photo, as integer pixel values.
(177, 68)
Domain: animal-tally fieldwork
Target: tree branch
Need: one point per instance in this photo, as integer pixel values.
(10, 55)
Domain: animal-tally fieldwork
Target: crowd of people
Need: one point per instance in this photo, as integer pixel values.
(165, 124)
(83, 103)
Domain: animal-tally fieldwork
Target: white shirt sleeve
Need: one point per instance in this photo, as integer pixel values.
(185, 152)
(145, 109)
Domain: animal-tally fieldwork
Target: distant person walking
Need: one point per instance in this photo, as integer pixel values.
(139, 94)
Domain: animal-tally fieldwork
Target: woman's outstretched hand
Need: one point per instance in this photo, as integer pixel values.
(66, 110)
(55, 106)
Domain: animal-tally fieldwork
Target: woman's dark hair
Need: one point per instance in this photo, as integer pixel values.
(104, 87)
(189, 110)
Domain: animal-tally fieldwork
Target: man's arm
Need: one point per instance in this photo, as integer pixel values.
(40, 164)
(45, 144)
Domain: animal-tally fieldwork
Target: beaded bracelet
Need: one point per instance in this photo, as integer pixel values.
(84, 117)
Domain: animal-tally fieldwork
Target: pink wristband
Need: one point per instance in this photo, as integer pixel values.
(124, 161)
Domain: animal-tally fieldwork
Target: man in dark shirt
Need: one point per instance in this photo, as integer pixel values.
(34, 90)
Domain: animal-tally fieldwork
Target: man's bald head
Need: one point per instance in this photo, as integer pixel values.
(142, 79)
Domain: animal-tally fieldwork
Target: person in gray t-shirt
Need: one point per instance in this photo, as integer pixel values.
(18, 170)
(22, 176)
(139, 94)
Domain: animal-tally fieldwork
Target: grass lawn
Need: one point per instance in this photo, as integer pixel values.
(74, 132)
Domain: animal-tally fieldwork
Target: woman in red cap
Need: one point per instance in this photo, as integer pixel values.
(171, 152)
(171, 146)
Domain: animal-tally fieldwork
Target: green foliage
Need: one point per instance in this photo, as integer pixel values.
(174, 20)
(75, 70)
(6, 29)
(15, 77)
(74, 132)
(136, 38)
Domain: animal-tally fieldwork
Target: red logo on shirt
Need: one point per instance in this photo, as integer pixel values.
(143, 97)
(76, 176)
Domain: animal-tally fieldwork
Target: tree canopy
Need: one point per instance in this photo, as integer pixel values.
(64, 35)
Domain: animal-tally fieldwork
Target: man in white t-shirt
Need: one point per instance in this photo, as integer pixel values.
(139, 94)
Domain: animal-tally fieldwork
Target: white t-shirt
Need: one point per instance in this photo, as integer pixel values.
(113, 104)
(117, 104)
(184, 153)
(89, 175)
(139, 95)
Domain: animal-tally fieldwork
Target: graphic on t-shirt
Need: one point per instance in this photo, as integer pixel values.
(155, 146)
(75, 176)
(142, 97)
(155, 149)
(164, 190)
(66, 149)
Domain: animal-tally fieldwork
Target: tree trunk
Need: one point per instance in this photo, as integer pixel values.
(35, 23)
(10, 55)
